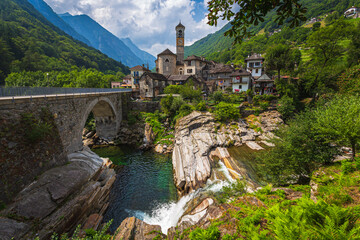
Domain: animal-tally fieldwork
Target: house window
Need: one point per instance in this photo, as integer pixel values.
(180, 71)
(167, 60)
(257, 64)
(257, 71)
(189, 63)
(189, 71)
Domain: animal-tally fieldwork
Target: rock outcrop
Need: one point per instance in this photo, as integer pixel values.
(134, 229)
(197, 134)
(62, 197)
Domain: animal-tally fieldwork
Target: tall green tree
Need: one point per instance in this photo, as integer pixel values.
(326, 57)
(339, 120)
(300, 149)
(281, 57)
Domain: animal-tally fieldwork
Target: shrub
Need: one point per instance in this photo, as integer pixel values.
(217, 96)
(286, 107)
(264, 105)
(36, 129)
(347, 167)
(225, 111)
(211, 233)
(185, 109)
(201, 106)
(173, 89)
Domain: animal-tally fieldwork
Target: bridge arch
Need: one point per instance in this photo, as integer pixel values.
(106, 116)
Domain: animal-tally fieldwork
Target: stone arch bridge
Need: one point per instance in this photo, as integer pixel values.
(70, 113)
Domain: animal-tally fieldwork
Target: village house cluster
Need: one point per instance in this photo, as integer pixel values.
(210, 76)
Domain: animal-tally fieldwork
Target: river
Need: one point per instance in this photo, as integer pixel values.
(144, 186)
(143, 183)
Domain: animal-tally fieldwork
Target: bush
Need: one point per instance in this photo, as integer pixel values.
(36, 129)
(347, 167)
(286, 107)
(201, 106)
(264, 105)
(171, 105)
(173, 89)
(225, 111)
(185, 109)
(211, 233)
(217, 96)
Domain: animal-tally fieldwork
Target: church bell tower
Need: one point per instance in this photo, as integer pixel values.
(180, 34)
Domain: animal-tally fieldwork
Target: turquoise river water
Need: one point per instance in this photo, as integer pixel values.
(144, 185)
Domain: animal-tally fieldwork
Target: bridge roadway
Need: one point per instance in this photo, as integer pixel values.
(70, 112)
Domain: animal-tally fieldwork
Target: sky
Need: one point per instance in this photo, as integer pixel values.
(150, 24)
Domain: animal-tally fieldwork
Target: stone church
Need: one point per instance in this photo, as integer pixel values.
(169, 63)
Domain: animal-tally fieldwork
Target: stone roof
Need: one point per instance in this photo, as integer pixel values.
(264, 78)
(155, 76)
(255, 57)
(166, 52)
(139, 68)
(221, 68)
(240, 72)
(179, 77)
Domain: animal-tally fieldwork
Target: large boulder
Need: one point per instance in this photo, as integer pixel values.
(11, 229)
(193, 142)
(134, 229)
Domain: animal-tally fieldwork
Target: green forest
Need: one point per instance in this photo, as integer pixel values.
(31, 47)
(217, 47)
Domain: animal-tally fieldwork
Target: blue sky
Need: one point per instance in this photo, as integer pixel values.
(149, 23)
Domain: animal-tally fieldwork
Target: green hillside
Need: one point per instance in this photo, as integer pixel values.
(28, 42)
(217, 47)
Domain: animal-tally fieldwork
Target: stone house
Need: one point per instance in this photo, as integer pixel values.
(221, 74)
(254, 64)
(152, 84)
(241, 80)
(136, 73)
(264, 85)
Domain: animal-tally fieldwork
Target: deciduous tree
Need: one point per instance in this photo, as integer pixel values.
(243, 14)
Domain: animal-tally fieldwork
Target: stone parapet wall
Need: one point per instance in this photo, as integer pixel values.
(142, 106)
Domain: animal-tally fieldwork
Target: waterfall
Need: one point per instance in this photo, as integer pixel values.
(168, 215)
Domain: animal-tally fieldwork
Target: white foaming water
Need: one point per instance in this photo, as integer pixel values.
(167, 215)
(226, 172)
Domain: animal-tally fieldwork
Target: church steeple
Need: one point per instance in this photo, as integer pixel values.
(180, 35)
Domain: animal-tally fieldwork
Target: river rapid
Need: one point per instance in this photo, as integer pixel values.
(144, 186)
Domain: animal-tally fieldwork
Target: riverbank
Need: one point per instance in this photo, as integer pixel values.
(60, 199)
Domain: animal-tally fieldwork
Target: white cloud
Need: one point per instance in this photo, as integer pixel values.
(149, 23)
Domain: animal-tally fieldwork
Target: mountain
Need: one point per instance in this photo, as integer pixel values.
(216, 44)
(102, 39)
(209, 44)
(50, 15)
(146, 57)
(29, 42)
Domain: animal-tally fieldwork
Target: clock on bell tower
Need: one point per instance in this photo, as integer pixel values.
(180, 34)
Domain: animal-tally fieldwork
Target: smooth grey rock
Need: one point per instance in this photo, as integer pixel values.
(12, 229)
